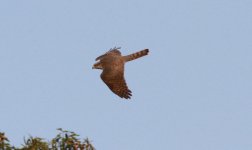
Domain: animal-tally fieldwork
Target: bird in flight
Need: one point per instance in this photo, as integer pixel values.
(112, 65)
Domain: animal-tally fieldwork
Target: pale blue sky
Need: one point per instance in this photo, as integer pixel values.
(193, 92)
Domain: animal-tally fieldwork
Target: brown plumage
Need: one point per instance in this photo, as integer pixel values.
(112, 64)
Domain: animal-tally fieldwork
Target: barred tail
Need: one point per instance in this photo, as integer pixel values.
(136, 55)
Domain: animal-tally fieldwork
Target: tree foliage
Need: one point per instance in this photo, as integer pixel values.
(64, 140)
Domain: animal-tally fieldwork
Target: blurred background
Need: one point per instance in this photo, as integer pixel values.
(192, 92)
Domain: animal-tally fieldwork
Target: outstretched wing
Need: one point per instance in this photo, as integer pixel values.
(98, 58)
(116, 84)
(113, 51)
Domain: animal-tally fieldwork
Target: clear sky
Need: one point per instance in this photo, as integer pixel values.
(192, 92)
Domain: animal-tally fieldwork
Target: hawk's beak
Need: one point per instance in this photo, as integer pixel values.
(93, 67)
(97, 66)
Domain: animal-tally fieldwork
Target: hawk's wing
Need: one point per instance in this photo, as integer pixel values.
(114, 51)
(116, 84)
(100, 57)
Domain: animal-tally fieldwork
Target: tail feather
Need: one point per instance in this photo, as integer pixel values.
(136, 55)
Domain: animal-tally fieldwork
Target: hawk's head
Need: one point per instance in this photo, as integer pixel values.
(112, 51)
